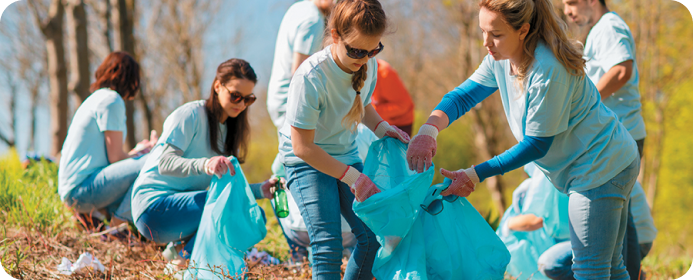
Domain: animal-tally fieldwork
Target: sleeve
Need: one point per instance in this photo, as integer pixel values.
(374, 82)
(257, 190)
(528, 150)
(181, 127)
(616, 46)
(484, 75)
(172, 163)
(303, 108)
(548, 103)
(463, 98)
(390, 98)
(308, 37)
(111, 116)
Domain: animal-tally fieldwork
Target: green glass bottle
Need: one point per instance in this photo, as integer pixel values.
(281, 203)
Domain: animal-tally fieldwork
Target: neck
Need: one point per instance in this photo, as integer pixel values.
(599, 12)
(516, 59)
(339, 63)
(223, 117)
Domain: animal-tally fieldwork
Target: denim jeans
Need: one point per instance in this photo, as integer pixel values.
(320, 199)
(110, 188)
(598, 219)
(173, 218)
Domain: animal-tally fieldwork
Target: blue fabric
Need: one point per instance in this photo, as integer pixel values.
(320, 95)
(463, 98)
(109, 188)
(590, 144)
(172, 218)
(455, 244)
(230, 225)
(186, 128)
(321, 198)
(528, 150)
(84, 150)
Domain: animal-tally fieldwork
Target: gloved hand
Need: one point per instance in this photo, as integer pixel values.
(218, 166)
(422, 148)
(383, 129)
(360, 184)
(463, 181)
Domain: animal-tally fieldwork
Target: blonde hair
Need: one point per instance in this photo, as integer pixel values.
(545, 25)
(368, 17)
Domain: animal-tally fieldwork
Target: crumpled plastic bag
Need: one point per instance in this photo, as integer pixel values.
(85, 260)
(231, 224)
(455, 244)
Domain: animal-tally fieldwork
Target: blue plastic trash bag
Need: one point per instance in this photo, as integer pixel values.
(231, 224)
(455, 244)
(537, 196)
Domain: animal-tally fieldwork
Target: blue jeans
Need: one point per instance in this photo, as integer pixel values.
(110, 188)
(320, 199)
(173, 218)
(598, 219)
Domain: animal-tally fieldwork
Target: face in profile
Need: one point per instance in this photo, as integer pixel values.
(235, 95)
(579, 11)
(500, 39)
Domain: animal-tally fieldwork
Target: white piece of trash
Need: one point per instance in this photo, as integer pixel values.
(85, 260)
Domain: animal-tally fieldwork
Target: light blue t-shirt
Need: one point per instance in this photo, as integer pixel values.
(608, 44)
(301, 31)
(186, 128)
(84, 151)
(321, 95)
(590, 145)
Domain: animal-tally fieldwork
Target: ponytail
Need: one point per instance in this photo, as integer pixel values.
(352, 119)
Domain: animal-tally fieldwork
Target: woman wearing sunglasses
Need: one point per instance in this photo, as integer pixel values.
(556, 115)
(328, 97)
(197, 139)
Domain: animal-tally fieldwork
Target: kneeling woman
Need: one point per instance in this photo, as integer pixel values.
(170, 193)
(95, 173)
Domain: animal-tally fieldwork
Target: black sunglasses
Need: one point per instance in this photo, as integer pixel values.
(236, 97)
(359, 53)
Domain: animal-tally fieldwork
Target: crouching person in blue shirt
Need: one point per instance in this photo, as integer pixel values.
(95, 173)
(198, 137)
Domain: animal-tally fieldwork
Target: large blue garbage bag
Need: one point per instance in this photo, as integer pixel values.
(231, 223)
(455, 244)
(537, 196)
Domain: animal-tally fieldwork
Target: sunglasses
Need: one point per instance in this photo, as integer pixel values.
(236, 97)
(433, 204)
(359, 53)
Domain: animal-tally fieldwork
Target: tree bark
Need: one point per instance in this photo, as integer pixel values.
(52, 29)
(124, 40)
(79, 51)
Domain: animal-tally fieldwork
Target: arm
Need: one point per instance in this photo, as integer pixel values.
(615, 78)
(528, 150)
(380, 127)
(172, 163)
(528, 222)
(459, 101)
(114, 146)
(298, 59)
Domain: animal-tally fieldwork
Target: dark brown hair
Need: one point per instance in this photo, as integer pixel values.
(368, 18)
(119, 72)
(238, 128)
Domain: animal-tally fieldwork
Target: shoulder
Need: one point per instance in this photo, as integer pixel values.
(306, 11)
(545, 64)
(106, 97)
(190, 110)
(311, 70)
(611, 24)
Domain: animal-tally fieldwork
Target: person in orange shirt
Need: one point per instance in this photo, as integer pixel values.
(391, 99)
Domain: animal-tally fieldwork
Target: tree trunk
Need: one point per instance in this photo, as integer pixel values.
(52, 29)
(124, 40)
(79, 51)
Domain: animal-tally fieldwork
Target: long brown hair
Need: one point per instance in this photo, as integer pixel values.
(238, 128)
(368, 18)
(545, 25)
(119, 72)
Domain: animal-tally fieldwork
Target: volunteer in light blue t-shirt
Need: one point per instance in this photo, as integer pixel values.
(95, 173)
(555, 113)
(198, 137)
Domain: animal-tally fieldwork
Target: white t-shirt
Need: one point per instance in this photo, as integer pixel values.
(320, 95)
(186, 128)
(590, 145)
(84, 151)
(608, 44)
(301, 31)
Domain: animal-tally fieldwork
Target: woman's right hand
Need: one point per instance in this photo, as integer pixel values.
(422, 148)
(219, 165)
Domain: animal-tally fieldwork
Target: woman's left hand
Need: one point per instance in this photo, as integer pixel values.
(383, 129)
(269, 187)
(463, 181)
